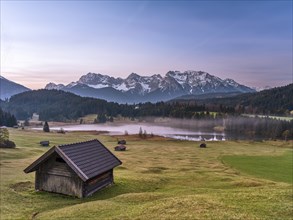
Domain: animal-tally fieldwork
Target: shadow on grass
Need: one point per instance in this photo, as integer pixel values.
(121, 186)
(125, 186)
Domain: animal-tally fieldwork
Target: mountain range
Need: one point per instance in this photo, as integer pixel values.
(9, 88)
(136, 88)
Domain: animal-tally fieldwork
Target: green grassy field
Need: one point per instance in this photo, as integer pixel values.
(159, 179)
(276, 168)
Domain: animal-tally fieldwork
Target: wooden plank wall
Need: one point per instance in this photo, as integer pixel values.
(98, 183)
(55, 176)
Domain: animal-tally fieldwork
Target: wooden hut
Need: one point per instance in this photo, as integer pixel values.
(120, 148)
(45, 143)
(203, 145)
(78, 169)
(122, 142)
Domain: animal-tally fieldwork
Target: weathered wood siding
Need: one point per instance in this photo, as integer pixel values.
(98, 182)
(55, 175)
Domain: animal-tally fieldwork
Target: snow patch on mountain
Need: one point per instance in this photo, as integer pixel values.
(145, 87)
(98, 86)
(121, 87)
(231, 82)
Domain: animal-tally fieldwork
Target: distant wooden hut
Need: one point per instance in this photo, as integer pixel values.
(203, 145)
(45, 143)
(78, 169)
(122, 142)
(120, 148)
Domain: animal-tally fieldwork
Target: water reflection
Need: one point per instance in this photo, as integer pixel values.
(182, 133)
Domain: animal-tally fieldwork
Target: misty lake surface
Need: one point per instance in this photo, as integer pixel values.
(181, 132)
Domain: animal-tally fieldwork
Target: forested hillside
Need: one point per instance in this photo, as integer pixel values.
(62, 106)
(273, 101)
(56, 105)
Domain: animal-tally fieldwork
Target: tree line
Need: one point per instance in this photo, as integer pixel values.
(63, 106)
(7, 119)
(254, 128)
(277, 101)
(54, 105)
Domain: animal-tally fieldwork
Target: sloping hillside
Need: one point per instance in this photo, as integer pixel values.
(272, 101)
(9, 88)
(55, 105)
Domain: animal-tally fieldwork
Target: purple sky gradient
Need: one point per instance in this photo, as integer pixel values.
(58, 41)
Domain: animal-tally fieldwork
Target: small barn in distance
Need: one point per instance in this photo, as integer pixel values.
(120, 148)
(122, 142)
(45, 143)
(78, 169)
(203, 145)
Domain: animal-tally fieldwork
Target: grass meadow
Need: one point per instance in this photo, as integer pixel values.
(159, 179)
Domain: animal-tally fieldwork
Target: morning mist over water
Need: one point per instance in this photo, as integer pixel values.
(231, 128)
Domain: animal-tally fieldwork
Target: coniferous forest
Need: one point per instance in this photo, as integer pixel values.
(277, 101)
(62, 106)
(7, 119)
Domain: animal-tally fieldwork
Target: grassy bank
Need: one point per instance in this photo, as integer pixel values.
(159, 178)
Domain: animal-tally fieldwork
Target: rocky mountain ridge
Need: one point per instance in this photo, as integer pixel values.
(136, 88)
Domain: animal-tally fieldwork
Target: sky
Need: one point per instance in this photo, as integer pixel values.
(59, 41)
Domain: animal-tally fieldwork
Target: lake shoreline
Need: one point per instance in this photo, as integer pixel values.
(176, 130)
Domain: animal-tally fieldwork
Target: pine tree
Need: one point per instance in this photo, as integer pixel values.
(46, 127)
(140, 134)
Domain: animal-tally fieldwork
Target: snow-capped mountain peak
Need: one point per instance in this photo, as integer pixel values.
(133, 76)
(173, 84)
(51, 85)
(98, 81)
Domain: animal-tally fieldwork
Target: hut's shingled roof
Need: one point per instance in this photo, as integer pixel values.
(88, 159)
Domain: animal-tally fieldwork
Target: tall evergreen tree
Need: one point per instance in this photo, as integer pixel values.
(140, 134)
(46, 127)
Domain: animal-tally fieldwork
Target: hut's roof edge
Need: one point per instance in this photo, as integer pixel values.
(34, 165)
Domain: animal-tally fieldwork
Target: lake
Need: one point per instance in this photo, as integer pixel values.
(180, 131)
